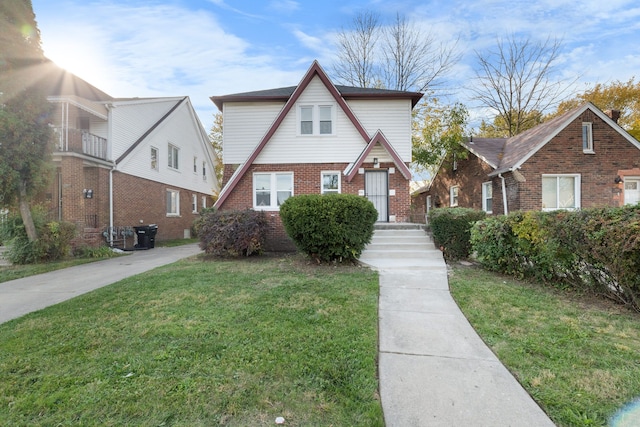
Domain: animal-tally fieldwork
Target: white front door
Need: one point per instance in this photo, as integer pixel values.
(376, 189)
(631, 191)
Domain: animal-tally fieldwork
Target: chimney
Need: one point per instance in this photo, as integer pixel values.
(613, 114)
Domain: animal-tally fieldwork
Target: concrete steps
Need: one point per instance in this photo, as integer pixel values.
(395, 246)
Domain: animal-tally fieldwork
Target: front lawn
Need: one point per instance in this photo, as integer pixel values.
(201, 343)
(579, 357)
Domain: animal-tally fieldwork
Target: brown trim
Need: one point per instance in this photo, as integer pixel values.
(379, 138)
(314, 70)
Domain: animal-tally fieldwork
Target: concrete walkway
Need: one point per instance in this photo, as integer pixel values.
(21, 296)
(434, 369)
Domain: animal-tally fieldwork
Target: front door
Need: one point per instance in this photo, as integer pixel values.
(631, 191)
(376, 188)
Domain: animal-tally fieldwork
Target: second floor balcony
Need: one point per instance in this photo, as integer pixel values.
(81, 141)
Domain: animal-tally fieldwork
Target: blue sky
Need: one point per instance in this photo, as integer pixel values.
(202, 48)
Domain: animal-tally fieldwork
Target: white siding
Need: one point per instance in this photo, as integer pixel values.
(181, 130)
(392, 117)
(246, 123)
(131, 119)
(244, 126)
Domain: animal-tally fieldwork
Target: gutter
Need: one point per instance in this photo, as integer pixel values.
(504, 194)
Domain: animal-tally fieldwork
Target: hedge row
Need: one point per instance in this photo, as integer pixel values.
(597, 250)
(231, 233)
(451, 230)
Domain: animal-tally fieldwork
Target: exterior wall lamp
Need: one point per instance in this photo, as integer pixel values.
(618, 180)
(376, 164)
(88, 193)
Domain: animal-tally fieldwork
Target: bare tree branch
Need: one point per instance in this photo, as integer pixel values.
(356, 51)
(516, 80)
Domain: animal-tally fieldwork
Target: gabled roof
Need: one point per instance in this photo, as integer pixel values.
(346, 92)
(378, 138)
(489, 150)
(290, 95)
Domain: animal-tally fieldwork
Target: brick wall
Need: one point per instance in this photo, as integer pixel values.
(563, 154)
(307, 180)
(468, 176)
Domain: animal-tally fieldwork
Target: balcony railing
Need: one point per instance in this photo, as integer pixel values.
(81, 141)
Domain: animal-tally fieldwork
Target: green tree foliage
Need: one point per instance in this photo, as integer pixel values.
(215, 137)
(25, 137)
(438, 130)
(618, 95)
(500, 129)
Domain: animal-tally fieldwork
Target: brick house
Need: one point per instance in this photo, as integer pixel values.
(121, 163)
(316, 138)
(581, 159)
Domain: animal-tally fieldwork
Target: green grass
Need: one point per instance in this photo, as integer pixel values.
(201, 343)
(578, 357)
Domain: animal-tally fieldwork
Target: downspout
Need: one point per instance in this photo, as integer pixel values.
(111, 204)
(504, 195)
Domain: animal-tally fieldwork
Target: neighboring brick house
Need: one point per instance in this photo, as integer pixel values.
(316, 138)
(581, 159)
(121, 163)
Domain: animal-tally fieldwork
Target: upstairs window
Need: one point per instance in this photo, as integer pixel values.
(195, 165)
(316, 119)
(204, 171)
(330, 182)
(173, 157)
(587, 137)
(154, 158)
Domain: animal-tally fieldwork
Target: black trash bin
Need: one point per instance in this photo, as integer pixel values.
(146, 235)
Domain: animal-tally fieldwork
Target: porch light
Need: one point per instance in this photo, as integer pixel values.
(375, 160)
(618, 180)
(88, 193)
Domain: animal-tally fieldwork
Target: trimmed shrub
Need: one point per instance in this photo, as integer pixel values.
(451, 230)
(232, 233)
(593, 250)
(54, 239)
(329, 227)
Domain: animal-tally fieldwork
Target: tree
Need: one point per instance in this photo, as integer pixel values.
(438, 130)
(499, 129)
(356, 51)
(25, 135)
(618, 95)
(517, 79)
(400, 56)
(215, 137)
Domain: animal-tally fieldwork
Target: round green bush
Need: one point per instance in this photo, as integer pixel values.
(329, 227)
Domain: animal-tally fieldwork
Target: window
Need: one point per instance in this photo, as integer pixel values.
(453, 195)
(325, 120)
(173, 157)
(195, 165)
(587, 137)
(204, 171)
(560, 192)
(204, 202)
(173, 203)
(330, 182)
(316, 119)
(154, 158)
(270, 190)
(306, 120)
(487, 197)
(194, 203)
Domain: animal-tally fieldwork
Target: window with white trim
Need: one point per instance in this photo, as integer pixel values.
(204, 171)
(270, 190)
(173, 202)
(316, 119)
(204, 202)
(453, 196)
(173, 157)
(194, 203)
(587, 137)
(487, 197)
(330, 182)
(195, 164)
(154, 158)
(560, 191)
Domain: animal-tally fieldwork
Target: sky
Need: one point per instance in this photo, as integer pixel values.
(202, 48)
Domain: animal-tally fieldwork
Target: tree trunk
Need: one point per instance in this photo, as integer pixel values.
(25, 212)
